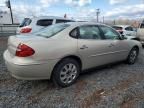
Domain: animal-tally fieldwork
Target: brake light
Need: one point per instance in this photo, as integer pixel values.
(25, 30)
(24, 51)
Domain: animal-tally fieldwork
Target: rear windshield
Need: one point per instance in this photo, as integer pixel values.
(45, 22)
(142, 25)
(117, 28)
(25, 22)
(52, 30)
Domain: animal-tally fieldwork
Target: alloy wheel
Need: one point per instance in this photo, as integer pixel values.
(133, 56)
(68, 73)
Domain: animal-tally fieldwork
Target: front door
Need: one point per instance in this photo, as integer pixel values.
(92, 47)
(118, 46)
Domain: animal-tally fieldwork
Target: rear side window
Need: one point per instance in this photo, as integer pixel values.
(44, 22)
(117, 28)
(63, 21)
(142, 25)
(74, 33)
(25, 22)
(89, 32)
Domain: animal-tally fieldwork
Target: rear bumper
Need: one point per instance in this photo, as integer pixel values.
(29, 71)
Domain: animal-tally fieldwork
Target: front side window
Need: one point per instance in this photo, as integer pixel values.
(52, 30)
(109, 33)
(129, 28)
(45, 22)
(89, 32)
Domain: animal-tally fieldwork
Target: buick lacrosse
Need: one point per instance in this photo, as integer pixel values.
(61, 51)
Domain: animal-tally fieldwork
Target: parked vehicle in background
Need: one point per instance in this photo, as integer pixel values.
(140, 33)
(128, 31)
(31, 25)
(61, 51)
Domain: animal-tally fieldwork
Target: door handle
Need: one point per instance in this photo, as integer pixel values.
(83, 47)
(111, 45)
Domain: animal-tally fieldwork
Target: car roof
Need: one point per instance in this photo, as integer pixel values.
(50, 17)
(124, 26)
(84, 23)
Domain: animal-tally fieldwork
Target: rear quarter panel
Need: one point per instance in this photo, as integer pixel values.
(53, 49)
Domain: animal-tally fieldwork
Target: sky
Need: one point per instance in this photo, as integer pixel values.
(77, 9)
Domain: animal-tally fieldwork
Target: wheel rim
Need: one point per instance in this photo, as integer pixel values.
(68, 73)
(133, 56)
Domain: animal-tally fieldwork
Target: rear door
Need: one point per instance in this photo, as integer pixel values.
(92, 47)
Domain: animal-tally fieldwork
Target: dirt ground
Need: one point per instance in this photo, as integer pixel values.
(117, 86)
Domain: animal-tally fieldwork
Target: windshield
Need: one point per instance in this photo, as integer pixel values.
(52, 30)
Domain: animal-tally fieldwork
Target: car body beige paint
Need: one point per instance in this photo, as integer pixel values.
(49, 51)
(140, 35)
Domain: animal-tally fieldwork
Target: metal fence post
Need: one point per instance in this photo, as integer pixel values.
(1, 30)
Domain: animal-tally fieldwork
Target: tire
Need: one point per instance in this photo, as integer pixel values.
(66, 72)
(132, 57)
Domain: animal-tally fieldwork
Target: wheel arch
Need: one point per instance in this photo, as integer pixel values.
(136, 46)
(78, 59)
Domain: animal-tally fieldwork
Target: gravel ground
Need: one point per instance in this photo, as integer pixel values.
(117, 86)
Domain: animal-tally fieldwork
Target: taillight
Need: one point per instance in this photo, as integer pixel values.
(24, 51)
(25, 30)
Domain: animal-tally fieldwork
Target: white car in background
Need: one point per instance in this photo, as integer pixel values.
(126, 30)
(140, 33)
(32, 25)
